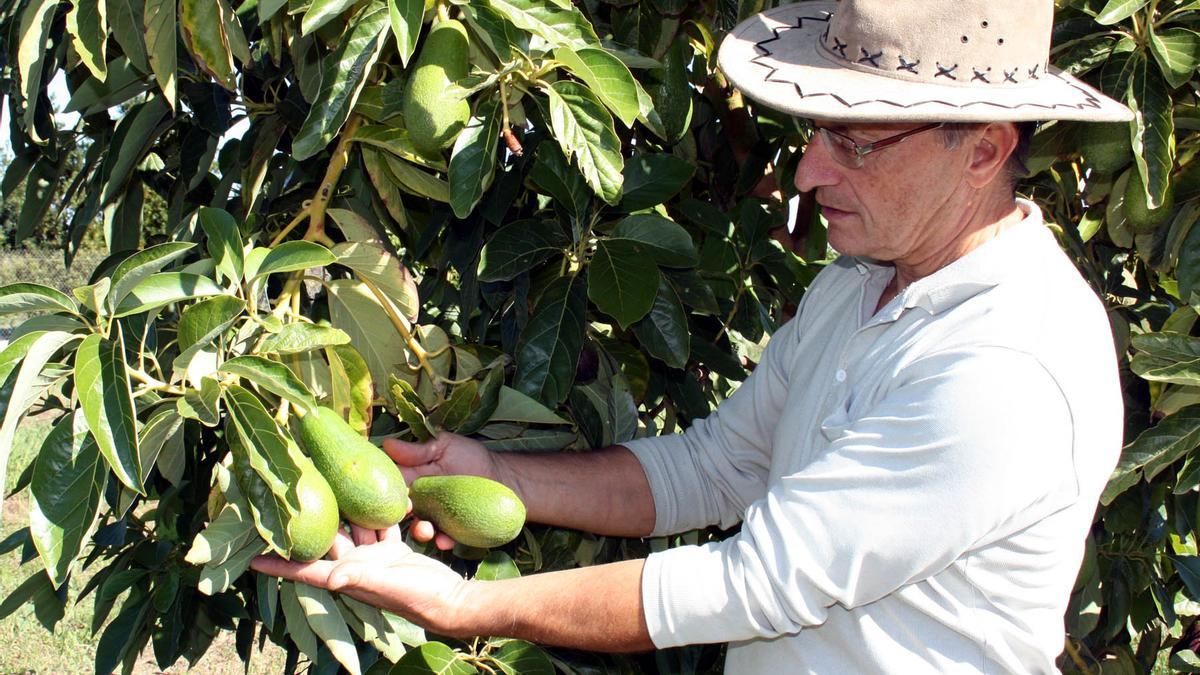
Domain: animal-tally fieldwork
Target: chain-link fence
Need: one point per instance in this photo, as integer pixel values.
(43, 266)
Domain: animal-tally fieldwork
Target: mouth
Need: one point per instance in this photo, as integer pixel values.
(831, 212)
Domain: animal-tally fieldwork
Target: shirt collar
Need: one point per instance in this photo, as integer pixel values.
(975, 272)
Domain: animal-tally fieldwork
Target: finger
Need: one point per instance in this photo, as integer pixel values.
(422, 530)
(408, 454)
(363, 536)
(342, 545)
(314, 573)
(443, 542)
(346, 576)
(390, 534)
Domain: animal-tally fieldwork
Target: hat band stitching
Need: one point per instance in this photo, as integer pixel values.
(1090, 101)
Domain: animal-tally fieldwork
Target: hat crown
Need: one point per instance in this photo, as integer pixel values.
(968, 42)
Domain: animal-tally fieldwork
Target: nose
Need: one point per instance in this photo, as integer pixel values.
(816, 168)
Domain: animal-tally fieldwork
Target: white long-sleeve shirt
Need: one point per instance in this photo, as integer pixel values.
(914, 485)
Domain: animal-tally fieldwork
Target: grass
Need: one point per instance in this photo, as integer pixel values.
(29, 648)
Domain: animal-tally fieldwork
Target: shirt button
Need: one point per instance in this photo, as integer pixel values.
(840, 375)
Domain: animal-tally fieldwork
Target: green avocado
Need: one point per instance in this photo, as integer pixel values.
(314, 527)
(1141, 219)
(472, 510)
(1106, 147)
(370, 490)
(433, 115)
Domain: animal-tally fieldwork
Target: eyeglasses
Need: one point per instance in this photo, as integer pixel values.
(847, 152)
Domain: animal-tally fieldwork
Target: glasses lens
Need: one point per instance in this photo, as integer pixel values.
(843, 149)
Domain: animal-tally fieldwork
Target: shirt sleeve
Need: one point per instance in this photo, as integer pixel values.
(711, 472)
(965, 448)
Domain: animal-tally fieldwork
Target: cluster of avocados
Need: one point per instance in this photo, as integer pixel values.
(349, 474)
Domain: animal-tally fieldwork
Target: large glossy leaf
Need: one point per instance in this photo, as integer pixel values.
(68, 479)
(1167, 357)
(31, 57)
(513, 406)
(519, 247)
(297, 623)
(39, 592)
(553, 176)
(1118, 10)
(272, 376)
(294, 338)
(224, 241)
(1177, 51)
(202, 24)
(124, 82)
(670, 91)
(87, 22)
(137, 267)
(606, 76)
(135, 132)
(518, 657)
(414, 180)
(386, 187)
(653, 179)
(585, 131)
(1154, 130)
(406, 17)
(435, 658)
(344, 72)
(166, 288)
(558, 26)
(353, 391)
(663, 240)
(373, 262)
(395, 141)
(127, 20)
(664, 332)
(291, 256)
(1154, 449)
(217, 577)
(203, 404)
(264, 466)
(497, 565)
(27, 298)
(355, 310)
(160, 28)
(321, 12)
(473, 160)
(622, 280)
(202, 322)
(102, 384)
(549, 347)
(327, 623)
(155, 435)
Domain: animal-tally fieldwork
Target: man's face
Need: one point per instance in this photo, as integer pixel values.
(898, 205)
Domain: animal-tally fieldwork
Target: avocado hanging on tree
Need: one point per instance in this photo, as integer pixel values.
(433, 112)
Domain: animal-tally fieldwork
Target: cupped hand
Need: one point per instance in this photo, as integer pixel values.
(446, 454)
(385, 573)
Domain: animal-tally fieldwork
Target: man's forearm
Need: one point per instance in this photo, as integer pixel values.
(604, 491)
(594, 608)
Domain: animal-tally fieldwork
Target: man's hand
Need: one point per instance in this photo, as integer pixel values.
(385, 574)
(445, 455)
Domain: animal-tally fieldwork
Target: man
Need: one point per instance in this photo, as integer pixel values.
(916, 461)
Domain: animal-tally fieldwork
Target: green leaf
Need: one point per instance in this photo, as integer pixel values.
(344, 73)
(355, 310)
(386, 188)
(327, 623)
(375, 264)
(622, 280)
(218, 577)
(224, 241)
(202, 322)
(1154, 131)
(231, 530)
(1153, 450)
(473, 160)
(26, 297)
(14, 403)
(272, 376)
(670, 92)
(126, 18)
(513, 406)
(411, 179)
(321, 12)
(1177, 51)
(663, 240)
(102, 385)
(558, 26)
(202, 25)
(653, 179)
(297, 623)
(163, 289)
(1167, 357)
(291, 256)
(202, 405)
(664, 332)
(294, 338)
(354, 227)
(31, 57)
(395, 140)
(497, 565)
(137, 267)
(552, 175)
(155, 435)
(134, 135)
(160, 28)
(406, 17)
(124, 82)
(1119, 10)
(432, 657)
(68, 480)
(585, 132)
(519, 247)
(549, 348)
(409, 408)
(607, 77)
(518, 657)
(38, 591)
(256, 443)
(87, 22)
(353, 392)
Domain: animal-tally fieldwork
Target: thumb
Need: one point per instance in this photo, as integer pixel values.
(347, 575)
(408, 454)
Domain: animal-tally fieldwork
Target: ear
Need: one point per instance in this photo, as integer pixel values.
(990, 153)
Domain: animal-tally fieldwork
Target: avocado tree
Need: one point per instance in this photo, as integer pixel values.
(546, 224)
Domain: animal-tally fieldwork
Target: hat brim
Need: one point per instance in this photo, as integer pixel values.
(776, 58)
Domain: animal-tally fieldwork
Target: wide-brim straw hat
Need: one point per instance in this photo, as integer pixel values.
(908, 61)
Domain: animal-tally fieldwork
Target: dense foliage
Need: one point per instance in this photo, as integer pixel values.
(596, 255)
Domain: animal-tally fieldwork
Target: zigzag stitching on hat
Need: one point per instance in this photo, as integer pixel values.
(1089, 102)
